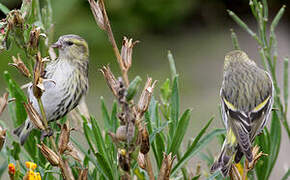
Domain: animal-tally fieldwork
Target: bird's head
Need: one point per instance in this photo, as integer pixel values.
(72, 47)
(236, 59)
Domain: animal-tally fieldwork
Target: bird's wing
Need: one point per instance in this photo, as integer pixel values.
(240, 124)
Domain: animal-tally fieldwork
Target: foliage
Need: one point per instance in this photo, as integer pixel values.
(104, 155)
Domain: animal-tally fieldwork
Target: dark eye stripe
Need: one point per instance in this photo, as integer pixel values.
(69, 43)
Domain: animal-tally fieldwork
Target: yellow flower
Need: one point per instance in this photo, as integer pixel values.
(31, 175)
(30, 165)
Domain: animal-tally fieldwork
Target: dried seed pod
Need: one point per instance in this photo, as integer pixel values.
(38, 73)
(130, 131)
(124, 160)
(73, 152)
(98, 12)
(126, 52)
(145, 97)
(3, 102)
(141, 160)
(121, 133)
(83, 174)
(112, 82)
(2, 137)
(34, 116)
(145, 144)
(63, 138)
(18, 63)
(49, 154)
(34, 40)
(166, 166)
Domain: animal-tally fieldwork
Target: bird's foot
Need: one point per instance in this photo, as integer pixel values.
(46, 133)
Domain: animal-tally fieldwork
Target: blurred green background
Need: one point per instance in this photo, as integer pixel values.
(197, 33)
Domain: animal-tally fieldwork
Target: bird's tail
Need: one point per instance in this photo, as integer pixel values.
(225, 159)
(23, 131)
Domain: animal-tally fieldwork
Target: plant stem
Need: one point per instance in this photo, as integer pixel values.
(45, 123)
(115, 47)
(149, 167)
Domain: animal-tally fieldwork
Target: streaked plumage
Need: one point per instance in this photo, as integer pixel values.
(69, 73)
(247, 99)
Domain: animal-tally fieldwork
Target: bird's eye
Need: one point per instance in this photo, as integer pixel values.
(70, 43)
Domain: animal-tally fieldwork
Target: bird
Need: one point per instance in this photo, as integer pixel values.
(246, 102)
(69, 74)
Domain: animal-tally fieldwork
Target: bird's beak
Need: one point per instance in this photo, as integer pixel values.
(56, 45)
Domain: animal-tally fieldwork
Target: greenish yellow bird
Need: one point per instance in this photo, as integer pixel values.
(246, 103)
(69, 73)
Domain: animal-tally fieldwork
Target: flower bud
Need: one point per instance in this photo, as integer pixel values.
(133, 87)
(30, 165)
(11, 170)
(49, 154)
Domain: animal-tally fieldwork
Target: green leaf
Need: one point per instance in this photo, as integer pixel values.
(179, 132)
(277, 18)
(195, 177)
(105, 168)
(285, 84)
(275, 135)
(114, 119)
(174, 107)
(4, 9)
(172, 65)
(287, 175)
(196, 145)
(157, 131)
(165, 91)
(100, 144)
(213, 176)
(105, 115)
(17, 106)
(160, 148)
(241, 23)
(3, 168)
(235, 41)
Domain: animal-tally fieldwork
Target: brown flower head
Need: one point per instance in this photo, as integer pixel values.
(145, 97)
(18, 63)
(126, 52)
(98, 12)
